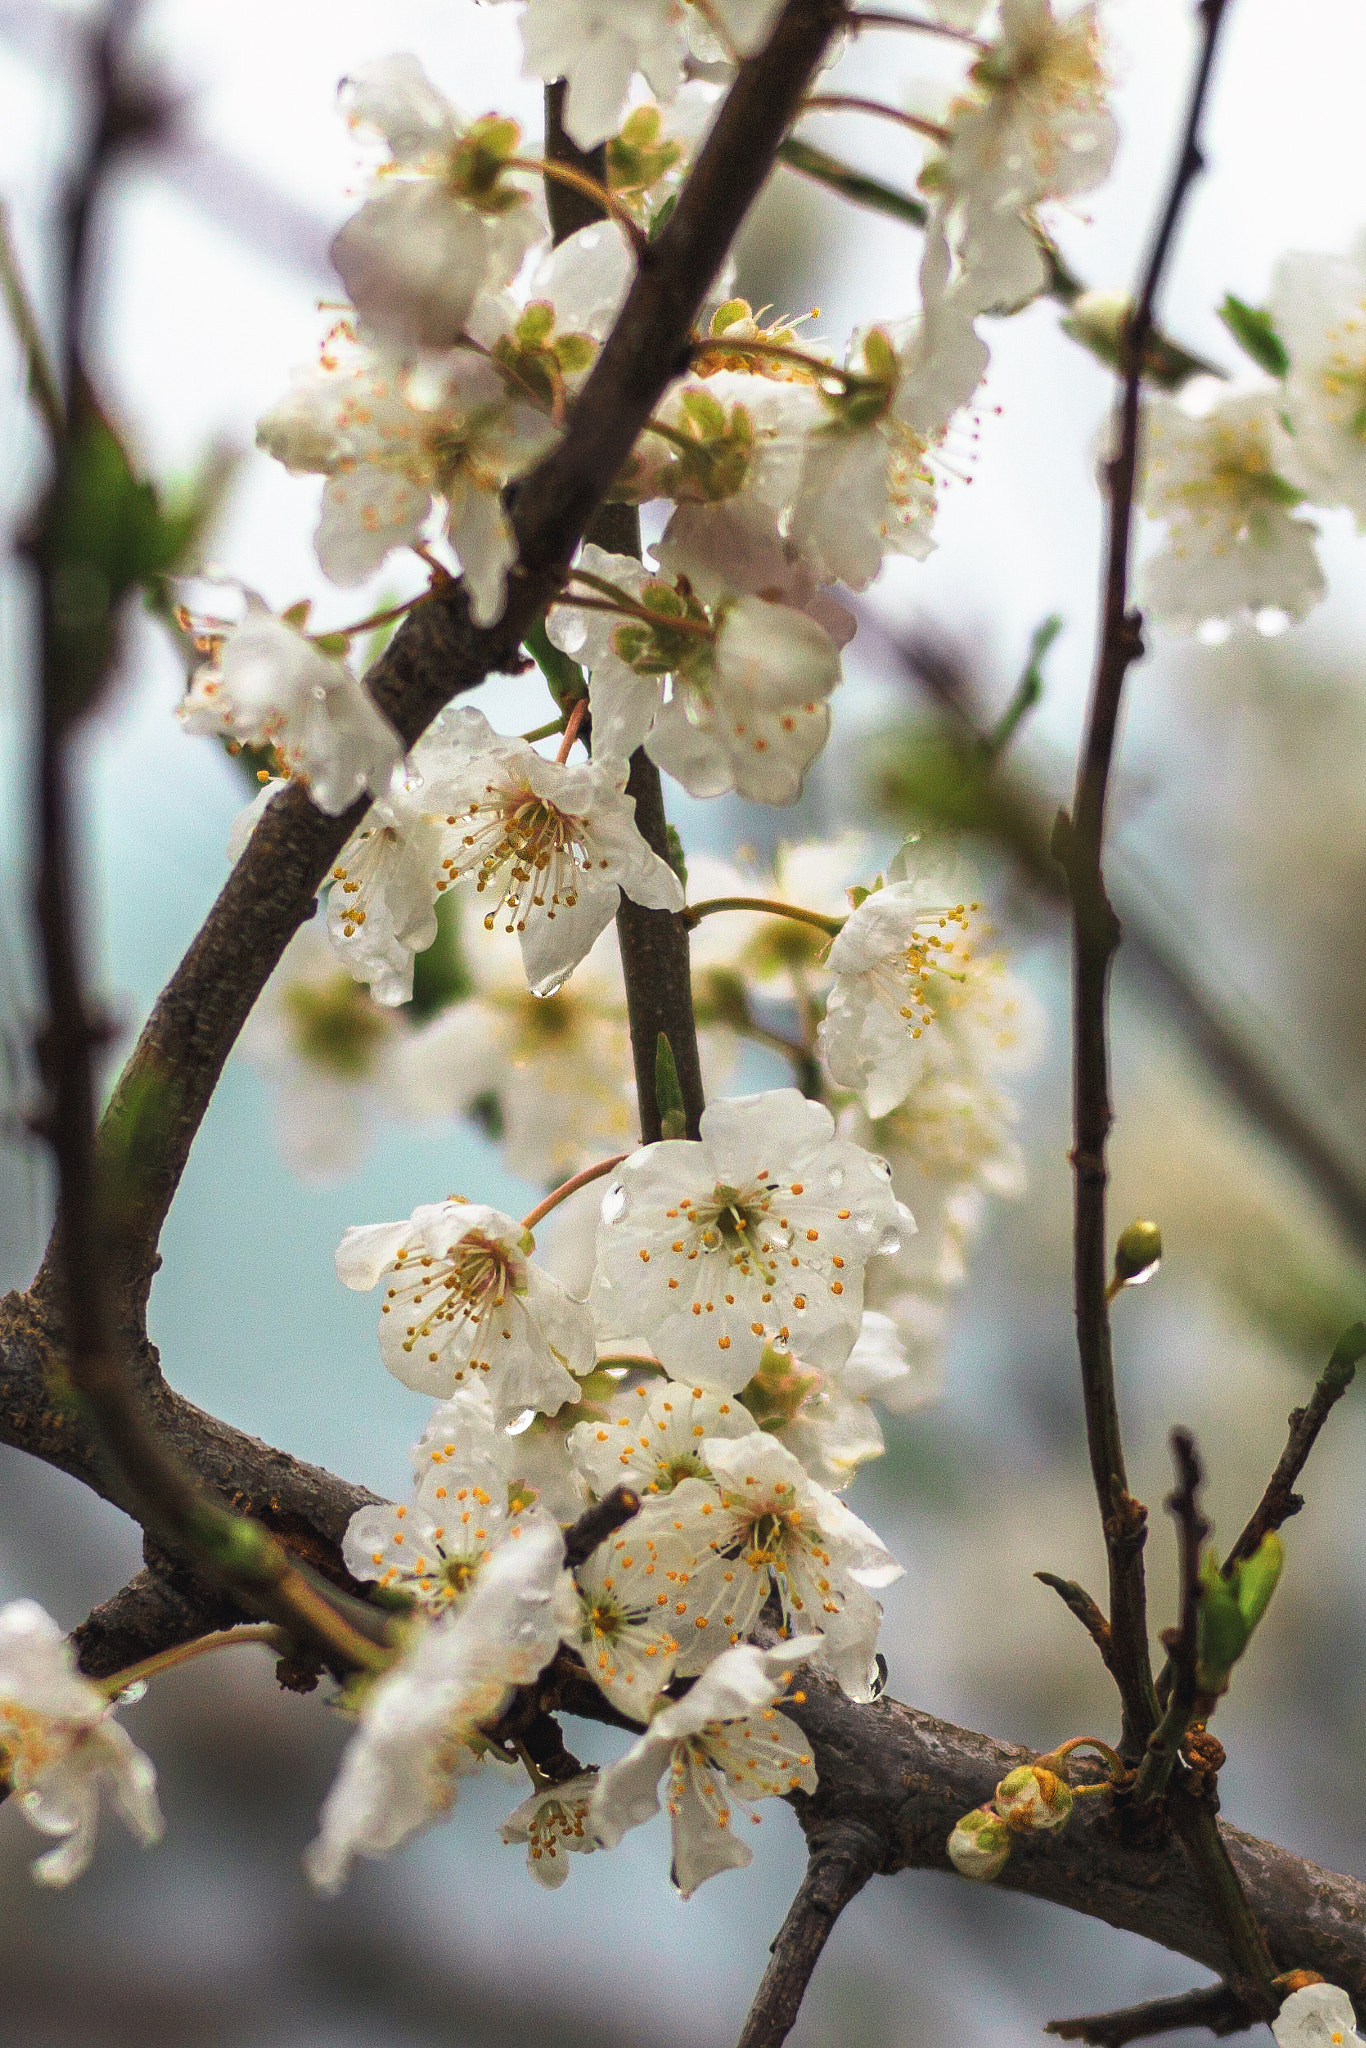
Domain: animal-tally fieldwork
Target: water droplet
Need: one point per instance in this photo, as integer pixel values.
(834, 1180)
(614, 1203)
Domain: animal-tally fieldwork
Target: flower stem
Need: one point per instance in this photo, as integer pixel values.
(571, 730)
(780, 352)
(695, 912)
(570, 1187)
(566, 174)
(870, 17)
(185, 1653)
(854, 103)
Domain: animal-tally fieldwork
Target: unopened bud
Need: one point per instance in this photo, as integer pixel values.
(1138, 1254)
(979, 1845)
(1032, 1797)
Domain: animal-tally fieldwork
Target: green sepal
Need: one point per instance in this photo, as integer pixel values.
(1231, 1607)
(673, 1118)
(1255, 333)
(1348, 1353)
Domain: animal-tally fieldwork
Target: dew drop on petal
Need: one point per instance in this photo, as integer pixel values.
(614, 1203)
(834, 1180)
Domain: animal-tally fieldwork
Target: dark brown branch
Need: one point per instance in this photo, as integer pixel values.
(1214, 2007)
(1280, 1501)
(597, 1523)
(1079, 1602)
(837, 1869)
(655, 949)
(1182, 1642)
(1077, 845)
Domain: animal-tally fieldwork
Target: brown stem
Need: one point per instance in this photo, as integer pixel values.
(836, 1872)
(1164, 1744)
(597, 1523)
(1214, 2006)
(1079, 1602)
(853, 103)
(1280, 1501)
(1095, 937)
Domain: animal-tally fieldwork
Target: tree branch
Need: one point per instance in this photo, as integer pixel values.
(1077, 845)
(1280, 1501)
(837, 1869)
(1214, 2006)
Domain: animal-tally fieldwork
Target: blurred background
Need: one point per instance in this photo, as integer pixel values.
(1239, 823)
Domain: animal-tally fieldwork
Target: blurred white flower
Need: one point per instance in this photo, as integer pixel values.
(724, 1743)
(1233, 546)
(1318, 305)
(420, 1722)
(1319, 2016)
(651, 1437)
(327, 1048)
(757, 1234)
(60, 1746)
(463, 1300)
(598, 46)
(442, 223)
(267, 685)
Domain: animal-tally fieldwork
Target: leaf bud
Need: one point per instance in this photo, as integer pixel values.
(1138, 1253)
(980, 1845)
(1033, 1797)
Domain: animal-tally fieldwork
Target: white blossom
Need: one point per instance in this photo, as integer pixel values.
(1233, 546)
(1318, 2016)
(623, 1615)
(558, 1067)
(824, 1417)
(1318, 305)
(550, 847)
(434, 1547)
(651, 1437)
(267, 685)
(757, 1234)
(327, 1049)
(553, 1823)
(913, 991)
(60, 1746)
(462, 1300)
(598, 46)
(442, 224)
(420, 1722)
(381, 906)
(748, 684)
(724, 1744)
(767, 1525)
(392, 438)
(530, 1454)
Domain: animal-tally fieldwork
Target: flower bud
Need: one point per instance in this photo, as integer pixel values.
(979, 1845)
(1138, 1254)
(1032, 1797)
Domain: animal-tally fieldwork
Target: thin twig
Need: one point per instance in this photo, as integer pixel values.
(570, 1187)
(854, 103)
(766, 906)
(1280, 1501)
(872, 17)
(1214, 2006)
(1079, 1602)
(597, 1523)
(837, 1871)
(1078, 844)
(1164, 1744)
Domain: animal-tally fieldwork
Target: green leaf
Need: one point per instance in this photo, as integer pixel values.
(673, 1118)
(1255, 333)
(566, 679)
(853, 185)
(678, 860)
(1348, 1353)
(1028, 690)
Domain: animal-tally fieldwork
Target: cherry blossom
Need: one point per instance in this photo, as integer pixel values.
(328, 1050)
(723, 1744)
(392, 438)
(443, 223)
(622, 1621)
(1233, 546)
(824, 1417)
(767, 1525)
(553, 1823)
(552, 848)
(757, 1234)
(1318, 2016)
(267, 685)
(746, 708)
(651, 1437)
(381, 903)
(434, 1547)
(598, 46)
(1318, 304)
(463, 1300)
(60, 1746)
(420, 1722)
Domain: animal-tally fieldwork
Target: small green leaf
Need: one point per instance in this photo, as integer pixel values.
(1254, 331)
(673, 1118)
(1348, 1353)
(678, 860)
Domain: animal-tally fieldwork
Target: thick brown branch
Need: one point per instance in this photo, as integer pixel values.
(838, 1867)
(1095, 937)
(1214, 2007)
